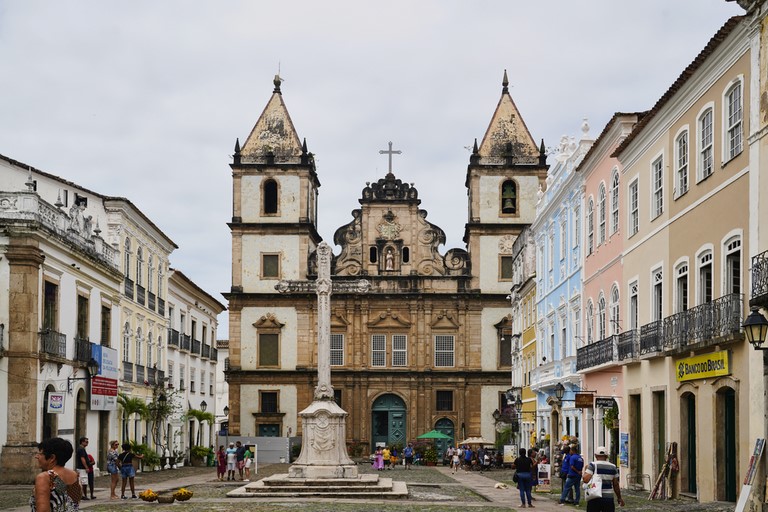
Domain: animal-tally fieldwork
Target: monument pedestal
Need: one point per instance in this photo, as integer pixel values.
(323, 447)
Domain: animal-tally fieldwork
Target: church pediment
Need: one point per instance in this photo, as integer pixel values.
(268, 321)
(389, 320)
(444, 320)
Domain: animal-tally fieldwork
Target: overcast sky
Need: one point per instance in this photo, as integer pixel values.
(144, 99)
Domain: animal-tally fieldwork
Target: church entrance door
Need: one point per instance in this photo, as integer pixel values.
(388, 420)
(445, 426)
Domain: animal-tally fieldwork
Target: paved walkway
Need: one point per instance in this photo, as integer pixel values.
(510, 497)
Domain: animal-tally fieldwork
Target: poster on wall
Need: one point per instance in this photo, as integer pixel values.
(104, 383)
(510, 453)
(55, 403)
(544, 478)
(624, 449)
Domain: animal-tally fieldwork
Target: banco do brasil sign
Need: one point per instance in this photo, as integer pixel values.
(704, 366)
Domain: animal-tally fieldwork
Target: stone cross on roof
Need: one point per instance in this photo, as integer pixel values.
(390, 152)
(323, 286)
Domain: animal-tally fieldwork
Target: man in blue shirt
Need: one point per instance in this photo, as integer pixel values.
(565, 454)
(573, 480)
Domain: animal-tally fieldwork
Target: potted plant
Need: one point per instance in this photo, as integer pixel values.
(430, 455)
(197, 455)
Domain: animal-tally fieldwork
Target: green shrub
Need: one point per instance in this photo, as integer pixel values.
(199, 451)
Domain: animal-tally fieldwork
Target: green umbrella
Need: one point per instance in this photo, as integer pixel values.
(434, 434)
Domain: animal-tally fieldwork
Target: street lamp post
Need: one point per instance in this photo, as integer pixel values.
(226, 432)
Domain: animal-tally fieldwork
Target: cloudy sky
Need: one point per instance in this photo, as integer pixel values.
(144, 99)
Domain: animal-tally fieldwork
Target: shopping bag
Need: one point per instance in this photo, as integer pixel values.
(594, 488)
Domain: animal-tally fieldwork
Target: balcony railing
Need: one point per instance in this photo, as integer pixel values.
(160, 306)
(173, 337)
(151, 374)
(759, 280)
(140, 294)
(214, 354)
(196, 347)
(595, 354)
(53, 343)
(160, 375)
(127, 371)
(185, 342)
(82, 350)
(129, 288)
(140, 373)
(206, 351)
(628, 345)
(151, 301)
(650, 337)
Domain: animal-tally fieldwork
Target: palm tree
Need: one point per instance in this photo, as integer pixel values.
(201, 416)
(131, 406)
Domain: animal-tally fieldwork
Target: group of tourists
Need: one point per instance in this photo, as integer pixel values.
(480, 459)
(237, 457)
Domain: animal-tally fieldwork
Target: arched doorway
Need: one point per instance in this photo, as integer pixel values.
(50, 420)
(445, 426)
(388, 421)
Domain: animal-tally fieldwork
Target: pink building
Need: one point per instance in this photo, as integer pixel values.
(604, 319)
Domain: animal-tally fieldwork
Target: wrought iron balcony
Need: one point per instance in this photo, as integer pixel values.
(214, 354)
(628, 345)
(651, 337)
(185, 342)
(53, 343)
(710, 323)
(759, 280)
(196, 347)
(173, 337)
(151, 375)
(127, 371)
(140, 294)
(128, 288)
(83, 350)
(226, 364)
(160, 306)
(160, 375)
(151, 301)
(206, 351)
(597, 353)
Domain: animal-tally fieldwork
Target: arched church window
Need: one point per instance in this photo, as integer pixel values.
(509, 197)
(406, 255)
(373, 255)
(270, 197)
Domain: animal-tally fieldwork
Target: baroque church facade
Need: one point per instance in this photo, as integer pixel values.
(424, 348)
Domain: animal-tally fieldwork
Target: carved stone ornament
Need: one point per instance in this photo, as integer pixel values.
(388, 228)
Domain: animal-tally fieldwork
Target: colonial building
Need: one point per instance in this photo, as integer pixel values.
(688, 372)
(192, 357)
(558, 237)
(596, 361)
(424, 348)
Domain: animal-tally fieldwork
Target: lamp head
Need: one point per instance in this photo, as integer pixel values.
(203, 406)
(559, 391)
(756, 328)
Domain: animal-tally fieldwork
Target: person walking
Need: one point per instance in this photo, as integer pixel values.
(609, 474)
(523, 466)
(221, 463)
(127, 471)
(82, 464)
(240, 454)
(248, 462)
(56, 487)
(112, 468)
(231, 461)
(573, 479)
(564, 465)
(408, 454)
(378, 459)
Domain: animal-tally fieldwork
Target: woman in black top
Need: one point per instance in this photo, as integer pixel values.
(523, 466)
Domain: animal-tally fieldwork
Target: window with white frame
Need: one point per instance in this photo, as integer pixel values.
(563, 240)
(127, 342)
(151, 273)
(150, 348)
(657, 171)
(139, 266)
(705, 278)
(444, 350)
(192, 375)
(615, 202)
(681, 288)
(159, 360)
(657, 305)
(378, 350)
(706, 149)
(182, 377)
(681, 163)
(590, 322)
(139, 342)
(601, 317)
(552, 341)
(399, 350)
(601, 214)
(633, 305)
(202, 382)
(615, 310)
(170, 374)
(551, 251)
(733, 265)
(576, 227)
(127, 258)
(576, 323)
(210, 383)
(563, 338)
(337, 349)
(734, 120)
(590, 226)
(634, 209)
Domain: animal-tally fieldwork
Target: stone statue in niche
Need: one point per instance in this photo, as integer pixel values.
(389, 260)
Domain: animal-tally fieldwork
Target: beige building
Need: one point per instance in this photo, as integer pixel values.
(688, 372)
(423, 349)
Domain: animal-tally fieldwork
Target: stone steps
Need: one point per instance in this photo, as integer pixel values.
(364, 487)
